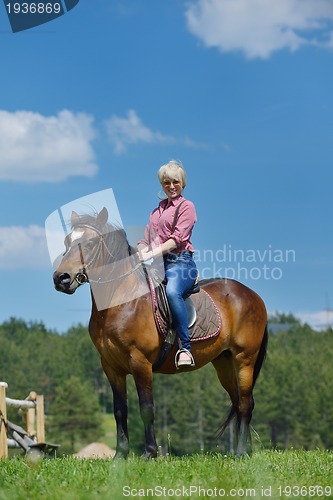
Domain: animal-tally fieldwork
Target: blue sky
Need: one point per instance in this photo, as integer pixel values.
(240, 92)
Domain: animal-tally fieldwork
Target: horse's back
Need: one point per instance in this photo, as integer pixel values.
(227, 289)
(242, 310)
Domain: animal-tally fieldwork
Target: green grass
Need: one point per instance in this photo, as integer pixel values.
(109, 430)
(171, 477)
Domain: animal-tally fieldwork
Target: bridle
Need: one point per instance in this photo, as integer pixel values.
(81, 276)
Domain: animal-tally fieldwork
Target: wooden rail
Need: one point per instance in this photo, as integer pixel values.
(32, 408)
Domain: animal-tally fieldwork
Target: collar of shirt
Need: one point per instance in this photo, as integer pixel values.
(165, 203)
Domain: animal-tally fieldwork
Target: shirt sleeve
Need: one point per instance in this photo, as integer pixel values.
(149, 233)
(186, 219)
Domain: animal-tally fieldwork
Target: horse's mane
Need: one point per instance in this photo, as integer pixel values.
(114, 235)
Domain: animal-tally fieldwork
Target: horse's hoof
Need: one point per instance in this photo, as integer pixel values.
(149, 455)
(120, 456)
(241, 454)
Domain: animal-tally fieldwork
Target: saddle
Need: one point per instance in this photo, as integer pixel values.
(204, 319)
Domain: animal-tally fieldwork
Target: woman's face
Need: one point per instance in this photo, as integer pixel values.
(172, 187)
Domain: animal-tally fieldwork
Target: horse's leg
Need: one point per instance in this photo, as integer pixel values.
(118, 386)
(244, 374)
(143, 377)
(120, 415)
(225, 370)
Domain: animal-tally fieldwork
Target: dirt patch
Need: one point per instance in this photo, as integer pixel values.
(95, 450)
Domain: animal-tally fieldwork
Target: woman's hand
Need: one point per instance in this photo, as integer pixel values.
(145, 254)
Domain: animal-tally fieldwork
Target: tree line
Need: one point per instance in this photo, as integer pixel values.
(293, 395)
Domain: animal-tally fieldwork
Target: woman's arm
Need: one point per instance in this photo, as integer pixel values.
(146, 254)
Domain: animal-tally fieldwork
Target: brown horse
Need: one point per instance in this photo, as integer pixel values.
(125, 334)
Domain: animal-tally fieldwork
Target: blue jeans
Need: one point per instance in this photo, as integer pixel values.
(181, 273)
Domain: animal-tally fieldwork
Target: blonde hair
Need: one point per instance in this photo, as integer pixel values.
(172, 169)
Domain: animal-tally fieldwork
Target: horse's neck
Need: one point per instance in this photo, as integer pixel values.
(118, 283)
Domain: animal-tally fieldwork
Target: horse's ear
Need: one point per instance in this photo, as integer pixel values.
(102, 217)
(74, 218)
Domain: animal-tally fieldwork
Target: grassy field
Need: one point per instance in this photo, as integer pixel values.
(266, 474)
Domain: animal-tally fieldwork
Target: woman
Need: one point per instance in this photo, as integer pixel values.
(168, 233)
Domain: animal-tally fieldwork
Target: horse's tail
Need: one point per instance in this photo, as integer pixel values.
(231, 415)
(261, 356)
(233, 412)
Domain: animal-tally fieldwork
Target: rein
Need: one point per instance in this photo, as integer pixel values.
(131, 271)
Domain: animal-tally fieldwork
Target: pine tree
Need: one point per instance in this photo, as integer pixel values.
(75, 414)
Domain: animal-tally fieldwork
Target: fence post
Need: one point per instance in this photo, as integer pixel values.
(3, 418)
(30, 416)
(40, 419)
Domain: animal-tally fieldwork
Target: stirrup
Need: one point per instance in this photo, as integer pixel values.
(184, 364)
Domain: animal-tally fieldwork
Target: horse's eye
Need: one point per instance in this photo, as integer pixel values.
(90, 245)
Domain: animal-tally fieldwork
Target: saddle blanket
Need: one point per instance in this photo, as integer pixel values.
(208, 322)
(208, 319)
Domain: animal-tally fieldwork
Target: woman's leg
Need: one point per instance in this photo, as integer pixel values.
(180, 278)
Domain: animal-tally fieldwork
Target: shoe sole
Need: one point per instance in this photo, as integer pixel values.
(184, 365)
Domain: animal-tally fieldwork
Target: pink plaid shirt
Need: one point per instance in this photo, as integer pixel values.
(158, 229)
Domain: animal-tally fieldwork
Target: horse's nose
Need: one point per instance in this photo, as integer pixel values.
(61, 280)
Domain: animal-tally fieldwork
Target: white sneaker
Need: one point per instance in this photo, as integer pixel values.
(184, 359)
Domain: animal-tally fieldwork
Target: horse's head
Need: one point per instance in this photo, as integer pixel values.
(85, 246)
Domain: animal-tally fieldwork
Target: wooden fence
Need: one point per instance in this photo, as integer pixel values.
(32, 408)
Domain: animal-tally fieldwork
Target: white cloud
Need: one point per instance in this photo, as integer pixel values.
(123, 132)
(37, 148)
(23, 248)
(260, 27)
(319, 320)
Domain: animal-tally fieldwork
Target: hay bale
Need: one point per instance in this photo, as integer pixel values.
(95, 450)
